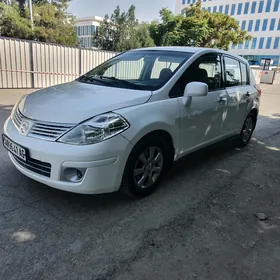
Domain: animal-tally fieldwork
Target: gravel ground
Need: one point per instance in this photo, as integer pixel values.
(200, 224)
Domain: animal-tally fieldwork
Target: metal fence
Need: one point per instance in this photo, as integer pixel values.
(30, 64)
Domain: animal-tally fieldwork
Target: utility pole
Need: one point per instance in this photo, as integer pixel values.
(31, 12)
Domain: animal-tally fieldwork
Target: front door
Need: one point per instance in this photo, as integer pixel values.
(201, 119)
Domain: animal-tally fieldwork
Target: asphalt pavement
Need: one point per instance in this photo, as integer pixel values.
(200, 224)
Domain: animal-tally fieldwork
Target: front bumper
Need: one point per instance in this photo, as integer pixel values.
(103, 163)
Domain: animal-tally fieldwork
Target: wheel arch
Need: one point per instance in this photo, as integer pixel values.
(162, 135)
(255, 112)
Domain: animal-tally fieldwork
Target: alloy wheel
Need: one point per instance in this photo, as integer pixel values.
(148, 167)
(247, 130)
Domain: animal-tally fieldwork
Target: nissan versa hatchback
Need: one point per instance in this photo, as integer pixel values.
(126, 121)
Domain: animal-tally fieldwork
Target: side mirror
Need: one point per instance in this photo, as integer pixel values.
(194, 89)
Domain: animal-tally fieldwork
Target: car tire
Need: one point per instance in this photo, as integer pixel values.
(146, 166)
(247, 130)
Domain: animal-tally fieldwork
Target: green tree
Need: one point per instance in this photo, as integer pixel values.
(197, 27)
(21, 6)
(53, 25)
(59, 3)
(143, 37)
(51, 22)
(122, 31)
(12, 24)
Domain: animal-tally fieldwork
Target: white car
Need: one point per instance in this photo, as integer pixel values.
(126, 121)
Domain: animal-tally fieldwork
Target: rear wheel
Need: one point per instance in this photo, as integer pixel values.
(145, 166)
(247, 130)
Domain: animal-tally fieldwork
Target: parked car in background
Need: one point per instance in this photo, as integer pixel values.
(125, 122)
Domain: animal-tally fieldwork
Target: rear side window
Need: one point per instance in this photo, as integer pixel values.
(233, 73)
(244, 74)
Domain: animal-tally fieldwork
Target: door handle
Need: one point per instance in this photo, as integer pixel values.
(222, 100)
(248, 94)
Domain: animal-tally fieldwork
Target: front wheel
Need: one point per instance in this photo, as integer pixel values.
(145, 167)
(247, 130)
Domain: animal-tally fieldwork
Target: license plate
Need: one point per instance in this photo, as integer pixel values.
(14, 148)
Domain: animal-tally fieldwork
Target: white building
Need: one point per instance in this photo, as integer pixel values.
(86, 27)
(261, 18)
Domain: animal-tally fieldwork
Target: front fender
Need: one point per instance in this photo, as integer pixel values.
(152, 116)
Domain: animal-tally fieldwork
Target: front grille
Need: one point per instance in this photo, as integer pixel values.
(42, 130)
(39, 167)
(18, 117)
(49, 131)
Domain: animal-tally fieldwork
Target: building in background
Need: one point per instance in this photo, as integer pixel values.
(260, 18)
(86, 27)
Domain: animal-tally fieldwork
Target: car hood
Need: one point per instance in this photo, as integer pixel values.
(75, 102)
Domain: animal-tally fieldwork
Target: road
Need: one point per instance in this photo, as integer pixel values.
(200, 224)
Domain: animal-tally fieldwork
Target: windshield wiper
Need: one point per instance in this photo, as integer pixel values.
(124, 82)
(91, 79)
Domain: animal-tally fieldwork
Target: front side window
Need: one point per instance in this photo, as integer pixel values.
(206, 69)
(142, 70)
(233, 73)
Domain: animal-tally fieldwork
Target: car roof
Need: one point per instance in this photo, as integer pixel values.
(175, 49)
(190, 50)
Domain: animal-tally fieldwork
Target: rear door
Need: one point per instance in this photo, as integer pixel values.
(238, 90)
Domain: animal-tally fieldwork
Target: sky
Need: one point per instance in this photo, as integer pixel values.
(146, 10)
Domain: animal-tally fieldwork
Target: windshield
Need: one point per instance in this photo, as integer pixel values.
(142, 70)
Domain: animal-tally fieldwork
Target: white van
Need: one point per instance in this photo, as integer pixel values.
(127, 120)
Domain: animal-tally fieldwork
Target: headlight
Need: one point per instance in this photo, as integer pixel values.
(96, 130)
